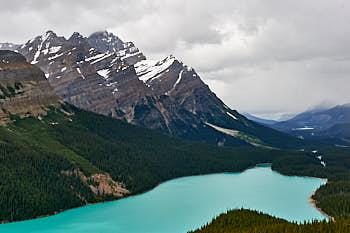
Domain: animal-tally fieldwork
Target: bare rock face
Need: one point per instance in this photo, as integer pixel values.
(103, 74)
(106, 42)
(107, 186)
(24, 90)
(100, 184)
(77, 71)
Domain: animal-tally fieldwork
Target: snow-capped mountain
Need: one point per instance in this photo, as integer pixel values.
(8, 46)
(103, 74)
(106, 42)
(77, 71)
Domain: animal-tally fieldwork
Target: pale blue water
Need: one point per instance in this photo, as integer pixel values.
(187, 203)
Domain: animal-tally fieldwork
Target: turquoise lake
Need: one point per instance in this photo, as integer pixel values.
(184, 204)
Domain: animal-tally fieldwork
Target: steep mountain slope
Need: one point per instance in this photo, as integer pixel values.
(54, 156)
(326, 125)
(105, 75)
(33, 164)
(23, 88)
(259, 120)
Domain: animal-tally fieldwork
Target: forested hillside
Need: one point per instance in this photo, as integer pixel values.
(44, 160)
(245, 221)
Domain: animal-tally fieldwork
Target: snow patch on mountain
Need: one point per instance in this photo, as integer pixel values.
(232, 116)
(56, 56)
(127, 55)
(102, 58)
(37, 54)
(104, 73)
(95, 57)
(79, 72)
(230, 132)
(43, 38)
(149, 70)
(176, 83)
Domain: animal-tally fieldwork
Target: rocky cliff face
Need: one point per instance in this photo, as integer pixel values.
(24, 89)
(103, 74)
(77, 71)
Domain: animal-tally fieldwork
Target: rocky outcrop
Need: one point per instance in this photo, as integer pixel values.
(100, 184)
(105, 185)
(24, 90)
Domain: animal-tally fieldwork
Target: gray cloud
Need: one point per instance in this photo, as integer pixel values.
(265, 57)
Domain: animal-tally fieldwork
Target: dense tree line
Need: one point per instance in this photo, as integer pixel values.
(246, 221)
(31, 184)
(334, 197)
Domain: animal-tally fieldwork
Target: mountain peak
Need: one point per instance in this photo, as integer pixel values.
(47, 36)
(170, 59)
(50, 32)
(107, 42)
(104, 34)
(75, 35)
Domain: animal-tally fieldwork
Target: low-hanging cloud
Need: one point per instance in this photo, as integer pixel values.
(265, 57)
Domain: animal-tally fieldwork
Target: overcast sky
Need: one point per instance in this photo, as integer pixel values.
(264, 57)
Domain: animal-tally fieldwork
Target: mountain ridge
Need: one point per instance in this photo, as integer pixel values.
(105, 75)
(259, 120)
(321, 124)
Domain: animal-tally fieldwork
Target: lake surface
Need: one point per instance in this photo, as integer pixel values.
(185, 204)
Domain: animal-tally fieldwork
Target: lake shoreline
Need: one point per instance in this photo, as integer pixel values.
(311, 201)
(129, 196)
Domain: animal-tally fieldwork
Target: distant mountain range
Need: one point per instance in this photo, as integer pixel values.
(105, 75)
(330, 125)
(259, 120)
(8, 46)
